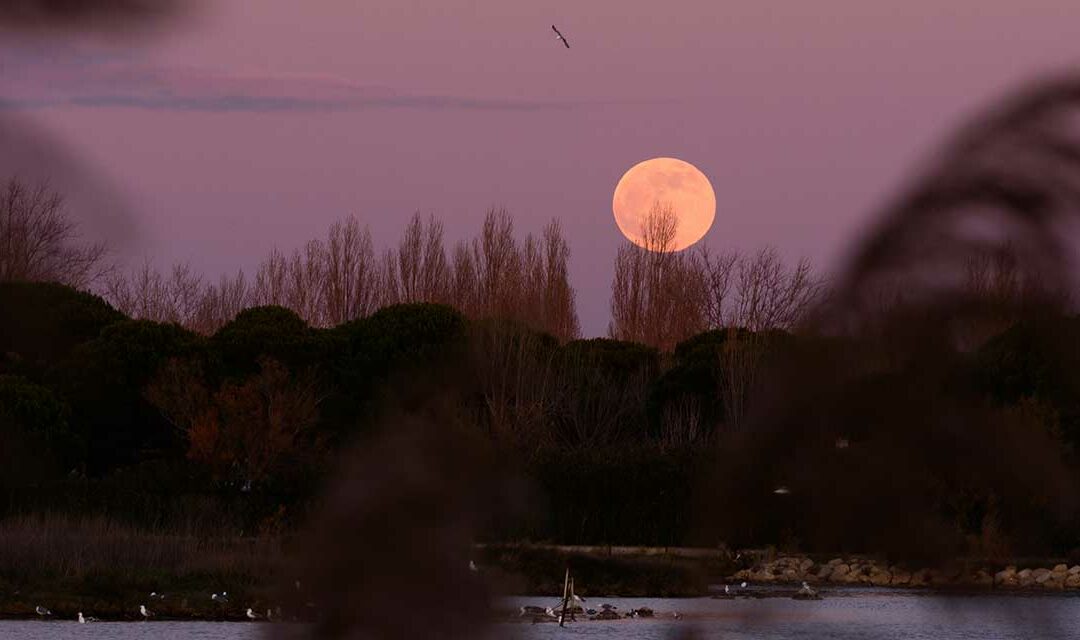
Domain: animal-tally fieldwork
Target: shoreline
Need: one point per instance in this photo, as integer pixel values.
(502, 613)
(529, 570)
(634, 571)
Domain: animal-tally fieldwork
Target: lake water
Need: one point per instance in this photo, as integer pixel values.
(855, 614)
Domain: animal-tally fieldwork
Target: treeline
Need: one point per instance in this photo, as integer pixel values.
(256, 411)
(155, 423)
(342, 277)
(159, 419)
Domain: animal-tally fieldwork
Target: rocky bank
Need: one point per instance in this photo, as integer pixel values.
(866, 572)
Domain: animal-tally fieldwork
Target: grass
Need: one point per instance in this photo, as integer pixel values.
(108, 568)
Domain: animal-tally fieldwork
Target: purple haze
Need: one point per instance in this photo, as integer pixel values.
(265, 120)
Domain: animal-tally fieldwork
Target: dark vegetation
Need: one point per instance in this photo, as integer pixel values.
(157, 427)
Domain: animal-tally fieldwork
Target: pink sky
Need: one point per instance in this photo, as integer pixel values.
(262, 121)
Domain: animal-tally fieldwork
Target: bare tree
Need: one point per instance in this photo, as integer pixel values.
(351, 282)
(306, 283)
(657, 293)
(718, 273)
(218, 304)
(464, 286)
(271, 280)
(748, 297)
(560, 313)
(517, 374)
(498, 266)
(422, 271)
(148, 294)
(772, 296)
(39, 241)
(327, 283)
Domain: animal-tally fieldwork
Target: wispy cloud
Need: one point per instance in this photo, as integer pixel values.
(92, 79)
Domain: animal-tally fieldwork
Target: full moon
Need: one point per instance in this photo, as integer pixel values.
(665, 181)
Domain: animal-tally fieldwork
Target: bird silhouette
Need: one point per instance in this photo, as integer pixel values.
(559, 36)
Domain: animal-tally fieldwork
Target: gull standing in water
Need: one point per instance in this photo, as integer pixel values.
(83, 620)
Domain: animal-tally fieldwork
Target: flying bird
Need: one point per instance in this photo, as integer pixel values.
(559, 36)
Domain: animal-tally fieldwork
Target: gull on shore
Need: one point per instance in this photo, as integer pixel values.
(254, 616)
(222, 597)
(83, 620)
(473, 567)
(146, 613)
(42, 611)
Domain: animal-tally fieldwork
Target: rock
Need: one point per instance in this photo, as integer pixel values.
(1060, 568)
(824, 572)
(900, 578)
(1074, 570)
(982, 578)
(1073, 581)
(1006, 577)
(839, 573)
(835, 561)
(1041, 575)
(805, 565)
(1024, 578)
(880, 578)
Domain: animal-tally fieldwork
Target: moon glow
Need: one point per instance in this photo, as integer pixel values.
(667, 181)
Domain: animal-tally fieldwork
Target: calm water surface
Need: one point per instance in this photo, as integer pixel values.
(852, 615)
